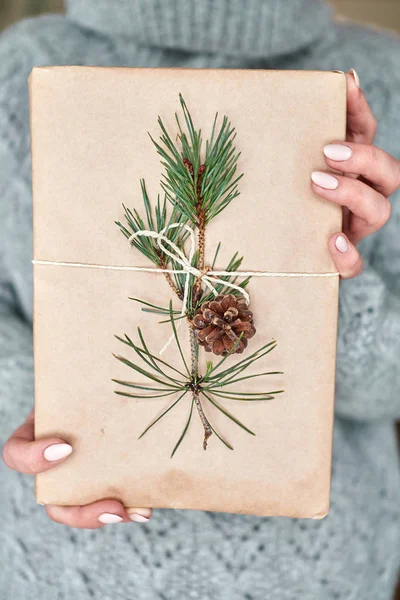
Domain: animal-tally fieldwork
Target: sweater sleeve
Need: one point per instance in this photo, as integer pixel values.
(45, 40)
(368, 359)
(16, 360)
(16, 356)
(368, 353)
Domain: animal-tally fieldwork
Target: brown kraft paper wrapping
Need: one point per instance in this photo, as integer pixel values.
(90, 147)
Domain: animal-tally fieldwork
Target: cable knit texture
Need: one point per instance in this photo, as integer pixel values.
(353, 554)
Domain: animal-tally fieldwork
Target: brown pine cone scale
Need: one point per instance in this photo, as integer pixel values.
(220, 322)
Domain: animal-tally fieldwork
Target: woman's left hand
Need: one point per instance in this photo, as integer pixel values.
(370, 177)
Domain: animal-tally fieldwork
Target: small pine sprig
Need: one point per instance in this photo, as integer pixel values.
(199, 189)
(164, 380)
(156, 220)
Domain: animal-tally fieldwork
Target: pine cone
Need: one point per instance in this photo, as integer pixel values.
(220, 322)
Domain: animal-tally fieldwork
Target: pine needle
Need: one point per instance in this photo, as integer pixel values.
(184, 429)
(162, 415)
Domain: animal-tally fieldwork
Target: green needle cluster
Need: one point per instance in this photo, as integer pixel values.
(166, 380)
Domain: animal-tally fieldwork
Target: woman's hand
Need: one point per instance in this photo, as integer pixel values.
(22, 453)
(371, 176)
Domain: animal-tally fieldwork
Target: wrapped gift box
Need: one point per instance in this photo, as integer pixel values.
(90, 149)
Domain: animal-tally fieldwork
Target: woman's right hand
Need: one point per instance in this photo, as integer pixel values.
(25, 454)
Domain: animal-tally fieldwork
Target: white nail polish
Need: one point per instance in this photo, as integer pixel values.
(338, 152)
(109, 518)
(57, 452)
(325, 180)
(356, 77)
(138, 518)
(139, 515)
(341, 244)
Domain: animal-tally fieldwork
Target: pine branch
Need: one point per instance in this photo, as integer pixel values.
(209, 387)
(199, 187)
(198, 191)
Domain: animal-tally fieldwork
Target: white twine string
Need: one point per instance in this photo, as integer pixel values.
(55, 263)
(208, 276)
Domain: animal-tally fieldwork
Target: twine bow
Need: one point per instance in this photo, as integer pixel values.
(206, 275)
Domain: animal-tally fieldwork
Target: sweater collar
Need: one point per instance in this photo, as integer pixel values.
(249, 28)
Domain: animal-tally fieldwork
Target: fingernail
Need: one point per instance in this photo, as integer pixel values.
(139, 515)
(341, 244)
(57, 452)
(338, 152)
(108, 518)
(138, 518)
(356, 77)
(324, 180)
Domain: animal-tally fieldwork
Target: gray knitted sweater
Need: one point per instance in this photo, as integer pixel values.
(353, 554)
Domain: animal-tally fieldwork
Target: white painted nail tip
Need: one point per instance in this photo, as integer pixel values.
(109, 518)
(341, 244)
(138, 518)
(338, 152)
(356, 77)
(57, 452)
(324, 180)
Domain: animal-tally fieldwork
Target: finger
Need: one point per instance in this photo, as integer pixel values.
(370, 209)
(361, 123)
(372, 163)
(25, 455)
(92, 516)
(345, 256)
